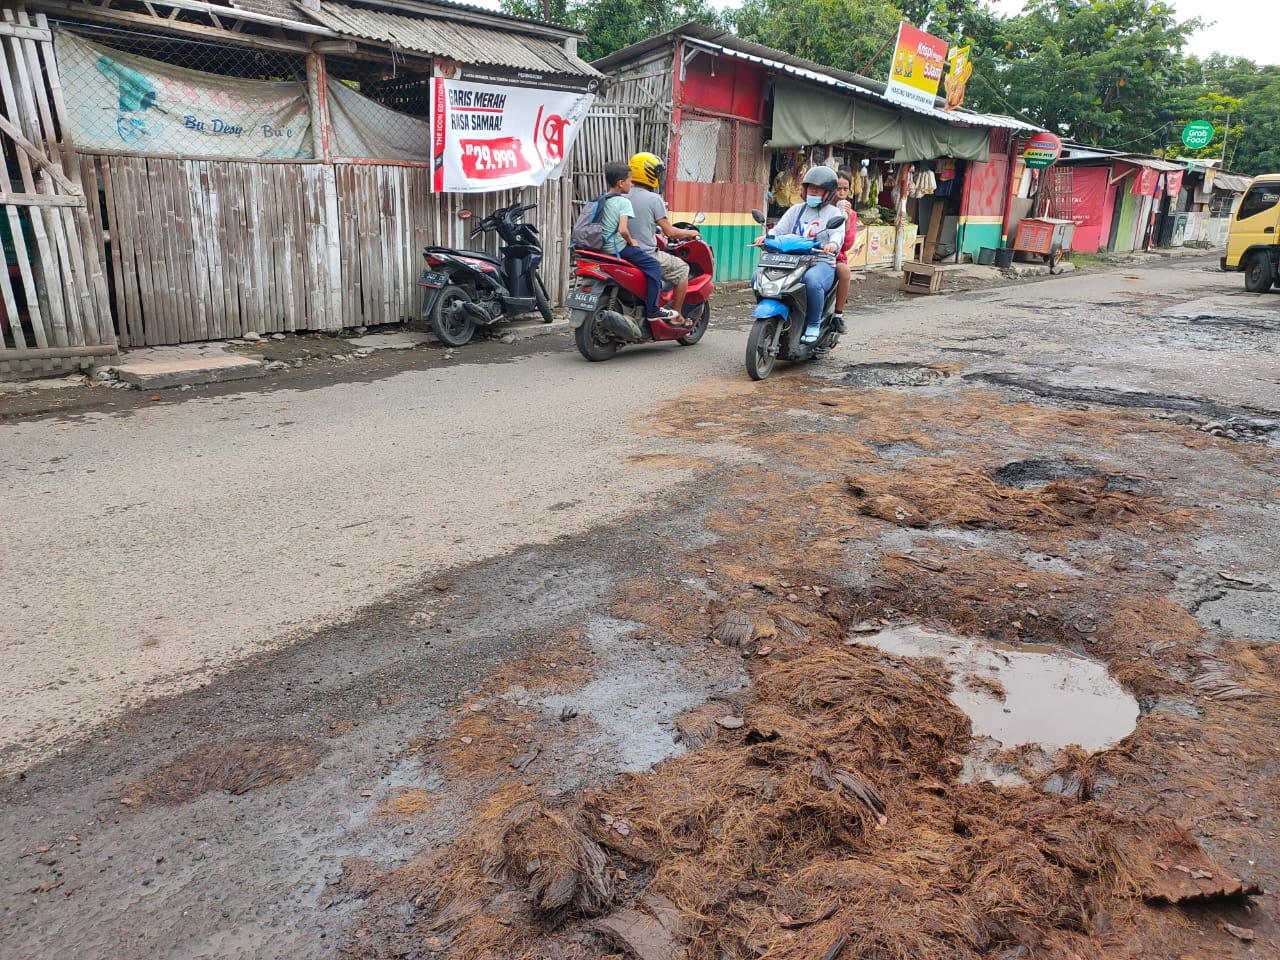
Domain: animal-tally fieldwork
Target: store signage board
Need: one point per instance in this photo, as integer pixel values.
(916, 70)
(1042, 150)
(1197, 134)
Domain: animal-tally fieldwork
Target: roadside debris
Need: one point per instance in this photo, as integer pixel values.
(828, 811)
(236, 767)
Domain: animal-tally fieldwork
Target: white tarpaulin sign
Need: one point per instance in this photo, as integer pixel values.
(365, 128)
(497, 136)
(130, 104)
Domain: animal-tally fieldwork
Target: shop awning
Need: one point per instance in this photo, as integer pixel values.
(804, 115)
(1151, 163)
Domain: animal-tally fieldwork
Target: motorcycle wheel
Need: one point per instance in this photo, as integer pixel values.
(702, 319)
(761, 350)
(541, 298)
(593, 346)
(451, 326)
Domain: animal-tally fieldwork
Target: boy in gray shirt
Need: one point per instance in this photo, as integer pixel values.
(650, 216)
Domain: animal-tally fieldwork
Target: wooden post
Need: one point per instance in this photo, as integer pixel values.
(322, 134)
(673, 138)
(900, 219)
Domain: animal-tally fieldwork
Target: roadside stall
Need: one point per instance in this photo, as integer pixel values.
(739, 123)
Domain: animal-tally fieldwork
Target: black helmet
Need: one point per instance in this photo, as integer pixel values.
(823, 177)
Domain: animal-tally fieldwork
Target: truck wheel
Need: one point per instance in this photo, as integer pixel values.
(1258, 274)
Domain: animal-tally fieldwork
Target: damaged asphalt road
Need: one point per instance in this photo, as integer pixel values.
(828, 607)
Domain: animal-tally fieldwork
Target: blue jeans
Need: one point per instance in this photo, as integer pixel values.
(817, 281)
(652, 271)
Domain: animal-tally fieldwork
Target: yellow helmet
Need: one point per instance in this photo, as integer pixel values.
(646, 168)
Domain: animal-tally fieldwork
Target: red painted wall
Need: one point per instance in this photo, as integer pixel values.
(737, 89)
(985, 186)
(1092, 200)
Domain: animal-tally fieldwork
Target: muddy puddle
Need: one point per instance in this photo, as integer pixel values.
(1024, 694)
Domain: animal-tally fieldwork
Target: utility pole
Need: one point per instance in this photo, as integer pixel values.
(1225, 131)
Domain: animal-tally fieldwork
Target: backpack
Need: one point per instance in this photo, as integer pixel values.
(587, 233)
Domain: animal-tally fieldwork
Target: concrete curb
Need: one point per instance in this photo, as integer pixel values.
(153, 368)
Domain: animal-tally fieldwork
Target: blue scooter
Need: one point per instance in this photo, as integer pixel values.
(781, 304)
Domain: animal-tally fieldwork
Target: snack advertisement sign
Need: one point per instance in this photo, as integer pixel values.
(918, 63)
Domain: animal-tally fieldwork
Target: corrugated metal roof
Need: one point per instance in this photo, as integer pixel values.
(466, 43)
(282, 9)
(831, 78)
(1141, 160)
(1230, 182)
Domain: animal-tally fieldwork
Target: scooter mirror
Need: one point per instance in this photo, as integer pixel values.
(464, 214)
(835, 222)
(757, 216)
(700, 218)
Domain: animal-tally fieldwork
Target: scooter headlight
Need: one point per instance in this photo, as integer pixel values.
(770, 288)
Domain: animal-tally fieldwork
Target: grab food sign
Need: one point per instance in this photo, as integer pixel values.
(1042, 150)
(489, 134)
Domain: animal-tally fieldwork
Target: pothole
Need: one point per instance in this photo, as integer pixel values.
(1035, 473)
(1019, 695)
(1234, 423)
(901, 450)
(1267, 323)
(892, 375)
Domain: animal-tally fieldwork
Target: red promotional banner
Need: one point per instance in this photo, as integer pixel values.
(492, 159)
(439, 117)
(1173, 183)
(1145, 183)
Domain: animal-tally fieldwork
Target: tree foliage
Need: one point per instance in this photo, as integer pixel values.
(618, 23)
(1105, 72)
(1095, 72)
(838, 33)
(1242, 100)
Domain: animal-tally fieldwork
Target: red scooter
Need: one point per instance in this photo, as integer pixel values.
(607, 303)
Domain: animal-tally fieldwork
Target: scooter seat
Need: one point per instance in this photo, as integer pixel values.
(580, 254)
(667, 287)
(476, 254)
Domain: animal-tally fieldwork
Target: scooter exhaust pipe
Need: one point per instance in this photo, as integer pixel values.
(475, 313)
(621, 326)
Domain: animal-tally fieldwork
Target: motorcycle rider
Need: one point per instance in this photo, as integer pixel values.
(809, 219)
(617, 214)
(650, 216)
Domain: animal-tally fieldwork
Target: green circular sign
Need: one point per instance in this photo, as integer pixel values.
(1197, 134)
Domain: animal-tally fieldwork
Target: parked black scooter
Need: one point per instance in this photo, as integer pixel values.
(465, 289)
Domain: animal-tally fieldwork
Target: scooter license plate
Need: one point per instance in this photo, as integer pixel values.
(582, 300)
(430, 278)
(779, 260)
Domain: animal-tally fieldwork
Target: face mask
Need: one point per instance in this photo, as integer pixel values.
(813, 201)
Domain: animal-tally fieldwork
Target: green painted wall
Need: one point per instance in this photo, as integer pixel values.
(1124, 233)
(975, 236)
(735, 258)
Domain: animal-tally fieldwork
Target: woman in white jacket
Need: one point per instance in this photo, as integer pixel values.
(809, 219)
